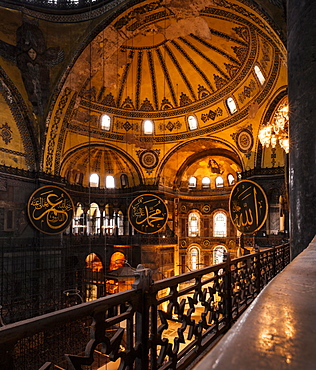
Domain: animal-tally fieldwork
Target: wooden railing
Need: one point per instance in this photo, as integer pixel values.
(156, 325)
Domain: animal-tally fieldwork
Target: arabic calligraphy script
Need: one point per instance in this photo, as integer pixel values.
(148, 213)
(248, 206)
(50, 209)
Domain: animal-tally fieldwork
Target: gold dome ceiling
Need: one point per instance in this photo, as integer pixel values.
(165, 59)
(160, 74)
(78, 165)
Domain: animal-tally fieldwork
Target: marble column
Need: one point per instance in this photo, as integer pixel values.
(302, 101)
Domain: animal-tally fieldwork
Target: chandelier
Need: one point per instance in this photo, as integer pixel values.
(277, 131)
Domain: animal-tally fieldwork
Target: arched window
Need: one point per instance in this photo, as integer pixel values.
(218, 254)
(220, 224)
(108, 221)
(194, 224)
(124, 180)
(206, 182)
(105, 122)
(120, 223)
(259, 75)
(94, 180)
(118, 282)
(93, 224)
(192, 182)
(117, 261)
(94, 263)
(194, 258)
(148, 127)
(78, 222)
(109, 182)
(79, 178)
(231, 179)
(192, 122)
(93, 273)
(231, 105)
(219, 182)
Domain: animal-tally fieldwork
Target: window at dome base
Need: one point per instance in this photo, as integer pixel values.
(231, 105)
(105, 122)
(192, 182)
(231, 179)
(206, 182)
(148, 127)
(192, 122)
(219, 182)
(259, 75)
(94, 180)
(109, 182)
(124, 180)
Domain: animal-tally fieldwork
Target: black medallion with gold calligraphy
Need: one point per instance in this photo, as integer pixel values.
(148, 213)
(50, 209)
(248, 206)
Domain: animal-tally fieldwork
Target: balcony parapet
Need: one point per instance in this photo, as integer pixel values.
(162, 325)
(279, 330)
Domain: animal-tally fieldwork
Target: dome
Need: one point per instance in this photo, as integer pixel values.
(79, 165)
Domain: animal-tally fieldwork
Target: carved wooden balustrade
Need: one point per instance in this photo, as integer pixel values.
(156, 325)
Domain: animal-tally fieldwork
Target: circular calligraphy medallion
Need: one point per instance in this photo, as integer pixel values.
(248, 206)
(244, 141)
(148, 213)
(50, 209)
(148, 159)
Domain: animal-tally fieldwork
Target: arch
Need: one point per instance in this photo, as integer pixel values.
(193, 224)
(192, 123)
(94, 263)
(148, 127)
(108, 227)
(194, 257)
(120, 222)
(206, 182)
(104, 159)
(110, 182)
(106, 122)
(259, 74)
(218, 254)
(93, 219)
(117, 260)
(93, 277)
(124, 180)
(230, 179)
(16, 119)
(220, 224)
(192, 182)
(94, 180)
(177, 161)
(279, 96)
(78, 222)
(231, 105)
(219, 182)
